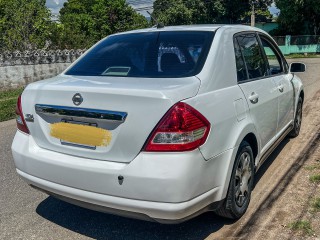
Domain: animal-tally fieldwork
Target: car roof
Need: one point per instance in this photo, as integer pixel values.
(203, 27)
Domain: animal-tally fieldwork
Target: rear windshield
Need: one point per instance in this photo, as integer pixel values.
(153, 54)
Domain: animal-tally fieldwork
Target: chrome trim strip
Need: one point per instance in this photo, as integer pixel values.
(78, 145)
(52, 110)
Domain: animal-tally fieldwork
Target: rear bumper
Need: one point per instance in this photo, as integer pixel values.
(167, 186)
(144, 210)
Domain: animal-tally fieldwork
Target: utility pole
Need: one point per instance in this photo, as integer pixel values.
(253, 15)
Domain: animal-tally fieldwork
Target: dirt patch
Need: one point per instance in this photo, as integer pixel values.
(284, 195)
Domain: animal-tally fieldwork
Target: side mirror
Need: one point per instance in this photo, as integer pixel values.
(297, 67)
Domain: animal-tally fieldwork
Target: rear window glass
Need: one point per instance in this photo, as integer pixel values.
(155, 54)
(254, 59)
(241, 67)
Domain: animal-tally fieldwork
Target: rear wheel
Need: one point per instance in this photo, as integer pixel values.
(241, 184)
(297, 120)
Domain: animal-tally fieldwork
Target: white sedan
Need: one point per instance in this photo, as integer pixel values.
(161, 123)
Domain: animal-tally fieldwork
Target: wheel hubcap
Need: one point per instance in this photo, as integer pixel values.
(243, 178)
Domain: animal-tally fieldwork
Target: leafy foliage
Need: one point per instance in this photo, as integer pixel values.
(84, 22)
(27, 25)
(299, 17)
(179, 12)
(262, 16)
(24, 24)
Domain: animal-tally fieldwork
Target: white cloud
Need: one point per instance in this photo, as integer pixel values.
(55, 5)
(274, 10)
(142, 6)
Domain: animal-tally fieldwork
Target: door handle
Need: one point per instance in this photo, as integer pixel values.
(281, 88)
(254, 98)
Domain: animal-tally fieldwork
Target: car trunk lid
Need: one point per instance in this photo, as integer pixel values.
(104, 118)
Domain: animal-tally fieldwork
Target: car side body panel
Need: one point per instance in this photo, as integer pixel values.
(298, 89)
(227, 132)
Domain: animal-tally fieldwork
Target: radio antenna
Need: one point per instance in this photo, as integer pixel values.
(158, 24)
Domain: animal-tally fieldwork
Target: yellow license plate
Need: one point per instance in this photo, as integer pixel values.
(81, 134)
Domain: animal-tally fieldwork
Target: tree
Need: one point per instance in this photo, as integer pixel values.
(178, 12)
(84, 22)
(299, 17)
(172, 12)
(24, 24)
(262, 16)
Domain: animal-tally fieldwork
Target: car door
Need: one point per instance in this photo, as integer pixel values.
(278, 71)
(259, 89)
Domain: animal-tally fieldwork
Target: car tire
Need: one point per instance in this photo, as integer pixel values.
(240, 186)
(297, 120)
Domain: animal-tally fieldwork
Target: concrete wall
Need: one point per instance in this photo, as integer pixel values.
(289, 48)
(21, 75)
(20, 68)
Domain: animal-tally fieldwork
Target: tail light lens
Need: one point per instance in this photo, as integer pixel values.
(21, 123)
(181, 129)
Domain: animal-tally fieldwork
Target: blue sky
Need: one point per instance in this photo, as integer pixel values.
(56, 5)
(274, 10)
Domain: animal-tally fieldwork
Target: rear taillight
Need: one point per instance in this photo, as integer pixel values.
(181, 129)
(21, 123)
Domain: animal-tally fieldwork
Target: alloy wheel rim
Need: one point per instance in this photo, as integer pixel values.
(298, 118)
(243, 178)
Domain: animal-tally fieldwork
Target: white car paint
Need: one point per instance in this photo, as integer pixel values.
(144, 106)
(167, 185)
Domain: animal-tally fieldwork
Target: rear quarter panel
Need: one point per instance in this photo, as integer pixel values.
(222, 102)
(229, 126)
(220, 99)
(228, 113)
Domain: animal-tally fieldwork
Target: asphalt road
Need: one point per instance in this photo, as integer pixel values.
(29, 214)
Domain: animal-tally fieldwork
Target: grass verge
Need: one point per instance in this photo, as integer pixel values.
(300, 55)
(316, 204)
(315, 178)
(7, 109)
(312, 167)
(8, 100)
(301, 225)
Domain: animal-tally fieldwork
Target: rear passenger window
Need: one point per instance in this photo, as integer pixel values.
(254, 59)
(274, 60)
(241, 67)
